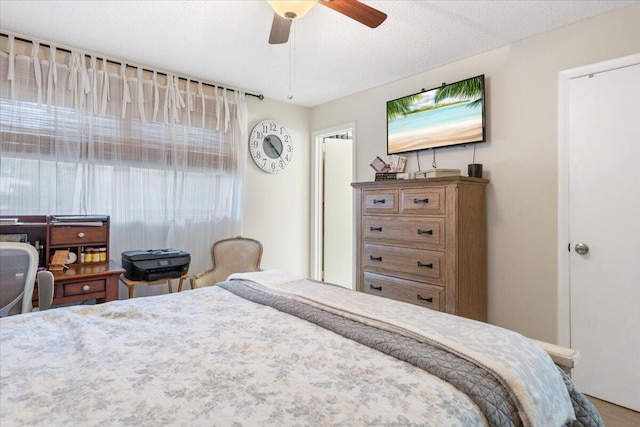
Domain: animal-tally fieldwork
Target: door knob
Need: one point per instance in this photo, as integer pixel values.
(582, 248)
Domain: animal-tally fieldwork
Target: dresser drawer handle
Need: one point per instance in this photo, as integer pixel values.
(374, 258)
(375, 228)
(416, 201)
(430, 265)
(430, 299)
(81, 235)
(376, 288)
(376, 201)
(425, 232)
(86, 288)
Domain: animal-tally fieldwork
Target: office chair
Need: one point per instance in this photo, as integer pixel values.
(18, 272)
(235, 255)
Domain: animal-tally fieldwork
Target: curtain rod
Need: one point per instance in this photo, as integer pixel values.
(111, 61)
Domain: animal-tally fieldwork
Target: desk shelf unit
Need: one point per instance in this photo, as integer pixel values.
(82, 281)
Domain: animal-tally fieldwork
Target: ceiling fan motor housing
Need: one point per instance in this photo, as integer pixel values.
(292, 9)
(288, 10)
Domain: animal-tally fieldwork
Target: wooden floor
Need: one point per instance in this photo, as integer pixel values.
(614, 415)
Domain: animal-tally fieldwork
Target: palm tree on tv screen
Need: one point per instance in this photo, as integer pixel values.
(470, 89)
(401, 106)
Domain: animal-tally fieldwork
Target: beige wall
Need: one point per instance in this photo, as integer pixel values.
(520, 157)
(276, 206)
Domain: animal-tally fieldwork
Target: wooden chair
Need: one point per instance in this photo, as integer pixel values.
(235, 255)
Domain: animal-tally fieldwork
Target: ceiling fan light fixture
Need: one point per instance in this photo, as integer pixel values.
(291, 9)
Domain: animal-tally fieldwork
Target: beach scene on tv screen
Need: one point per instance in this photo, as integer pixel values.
(444, 116)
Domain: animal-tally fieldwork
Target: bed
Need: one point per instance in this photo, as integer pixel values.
(272, 349)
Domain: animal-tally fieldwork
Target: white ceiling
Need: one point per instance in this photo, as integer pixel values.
(225, 41)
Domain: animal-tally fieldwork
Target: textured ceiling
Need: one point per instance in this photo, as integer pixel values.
(225, 41)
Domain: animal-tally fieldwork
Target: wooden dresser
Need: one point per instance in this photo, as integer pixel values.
(423, 241)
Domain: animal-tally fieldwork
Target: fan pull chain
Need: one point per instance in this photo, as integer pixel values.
(292, 59)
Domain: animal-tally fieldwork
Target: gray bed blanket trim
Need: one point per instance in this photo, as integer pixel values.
(479, 384)
(586, 413)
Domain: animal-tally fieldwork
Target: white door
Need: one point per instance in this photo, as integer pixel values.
(338, 212)
(604, 215)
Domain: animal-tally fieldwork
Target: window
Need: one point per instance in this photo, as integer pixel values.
(165, 161)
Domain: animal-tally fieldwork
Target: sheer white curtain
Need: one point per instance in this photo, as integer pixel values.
(159, 155)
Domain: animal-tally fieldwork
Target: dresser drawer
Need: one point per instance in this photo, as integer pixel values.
(418, 264)
(423, 201)
(380, 201)
(405, 231)
(81, 288)
(70, 235)
(405, 290)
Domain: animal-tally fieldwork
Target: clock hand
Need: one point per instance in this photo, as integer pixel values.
(268, 139)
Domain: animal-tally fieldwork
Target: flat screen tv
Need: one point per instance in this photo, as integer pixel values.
(452, 114)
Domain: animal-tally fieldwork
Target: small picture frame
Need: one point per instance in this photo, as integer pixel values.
(59, 261)
(379, 165)
(397, 163)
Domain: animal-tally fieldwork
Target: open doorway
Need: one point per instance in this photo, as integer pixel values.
(333, 171)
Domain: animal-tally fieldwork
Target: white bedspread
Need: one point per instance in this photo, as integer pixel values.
(527, 369)
(206, 357)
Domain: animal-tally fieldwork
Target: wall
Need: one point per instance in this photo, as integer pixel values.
(520, 157)
(276, 206)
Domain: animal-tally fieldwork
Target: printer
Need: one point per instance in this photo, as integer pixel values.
(155, 264)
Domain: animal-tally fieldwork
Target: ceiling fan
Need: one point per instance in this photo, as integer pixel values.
(288, 10)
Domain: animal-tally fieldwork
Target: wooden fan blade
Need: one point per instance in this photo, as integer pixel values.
(355, 10)
(280, 29)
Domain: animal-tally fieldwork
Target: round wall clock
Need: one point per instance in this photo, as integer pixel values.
(271, 146)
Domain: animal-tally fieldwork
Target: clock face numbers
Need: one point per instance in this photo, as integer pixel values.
(271, 146)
